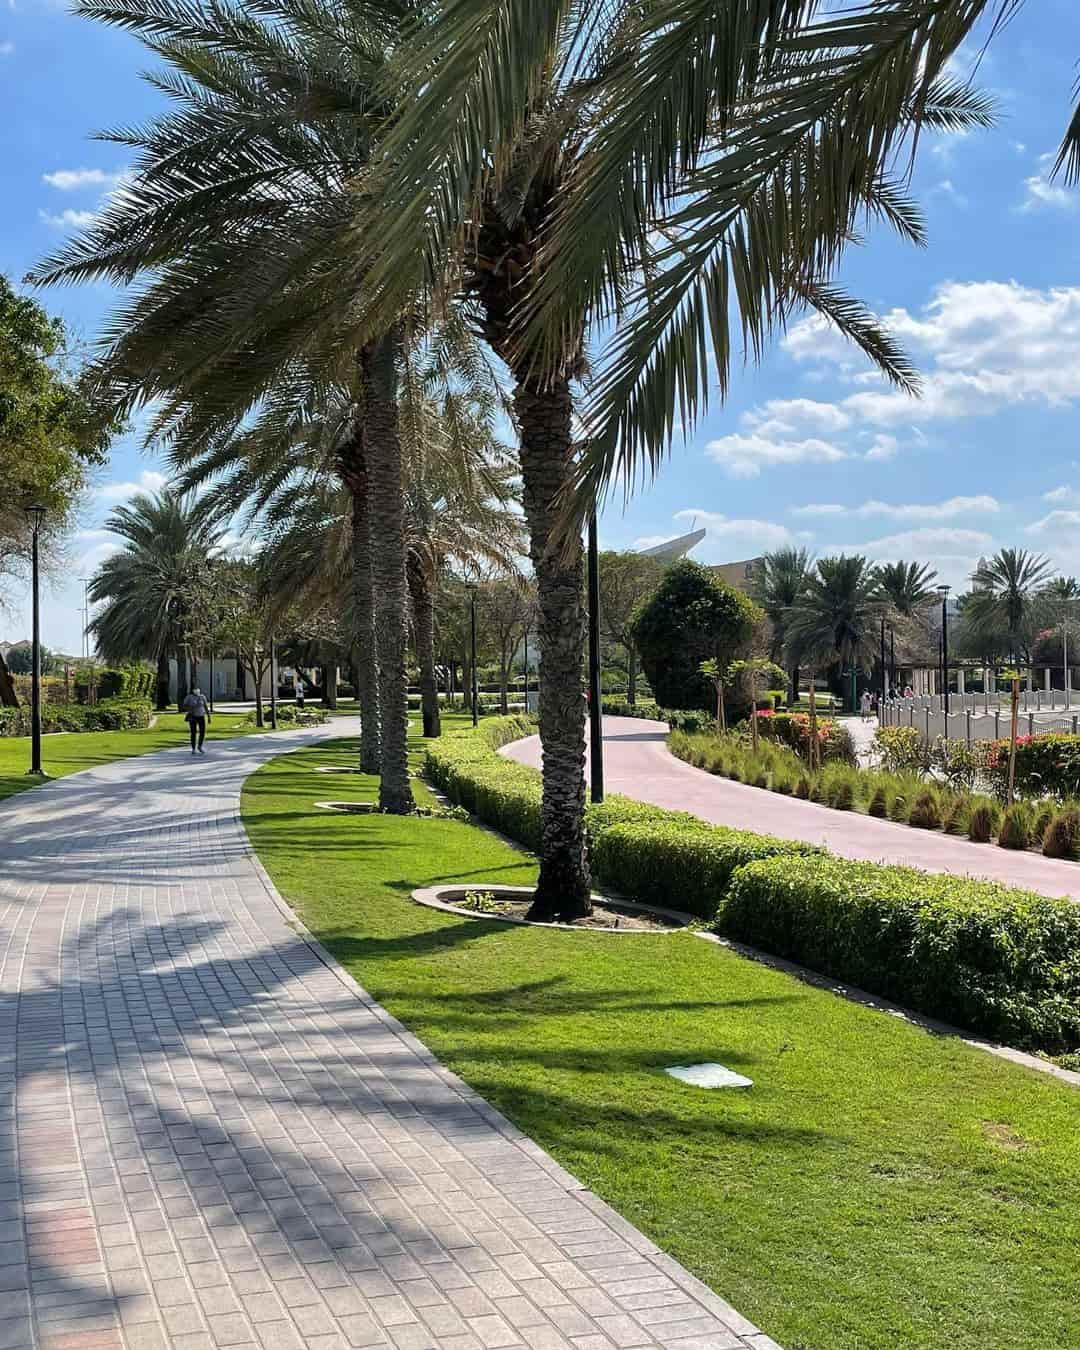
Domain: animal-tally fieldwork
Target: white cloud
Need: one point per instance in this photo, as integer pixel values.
(781, 415)
(1039, 191)
(149, 481)
(947, 188)
(884, 447)
(1056, 520)
(68, 220)
(72, 180)
(7, 48)
(925, 543)
(744, 456)
(1066, 495)
(947, 510)
(749, 534)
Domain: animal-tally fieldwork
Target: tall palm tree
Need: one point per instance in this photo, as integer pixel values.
(1003, 597)
(906, 587)
(1062, 588)
(835, 617)
(240, 213)
(778, 582)
(147, 587)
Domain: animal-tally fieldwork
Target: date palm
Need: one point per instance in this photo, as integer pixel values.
(835, 617)
(146, 587)
(777, 585)
(906, 587)
(1004, 596)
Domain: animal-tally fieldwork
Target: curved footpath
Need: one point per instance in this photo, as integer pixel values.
(211, 1136)
(637, 763)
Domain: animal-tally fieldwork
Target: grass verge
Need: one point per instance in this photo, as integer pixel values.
(878, 1187)
(64, 754)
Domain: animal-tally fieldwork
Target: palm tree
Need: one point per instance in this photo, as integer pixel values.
(240, 212)
(1062, 588)
(906, 587)
(835, 617)
(147, 588)
(1003, 597)
(777, 584)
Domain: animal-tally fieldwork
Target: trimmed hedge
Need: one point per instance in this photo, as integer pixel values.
(648, 854)
(115, 715)
(1001, 962)
(613, 705)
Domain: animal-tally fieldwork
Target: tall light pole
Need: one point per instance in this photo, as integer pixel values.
(86, 617)
(473, 692)
(273, 682)
(884, 676)
(943, 591)
(596, 731)
(526, 671)
(35, 514)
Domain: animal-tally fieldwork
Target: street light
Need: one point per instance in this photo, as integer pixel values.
(943, 591)
(596, 732)
(472, 649)
(35, 514)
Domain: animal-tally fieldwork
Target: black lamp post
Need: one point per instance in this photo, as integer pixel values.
(596, 732)
(35, 514)
(892, 658)
(273, 682)
(526, 671)
(943, 591)
(472, 651)
(884, 676)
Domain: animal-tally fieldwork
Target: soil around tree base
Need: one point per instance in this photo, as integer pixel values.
(510, 904)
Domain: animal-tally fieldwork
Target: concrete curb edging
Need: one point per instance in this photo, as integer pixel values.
(431, 897)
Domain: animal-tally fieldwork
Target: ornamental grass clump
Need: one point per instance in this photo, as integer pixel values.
(1015, 828)
(879, 802)
(983, 820)
(1062, 839)
(925, 811)
(1044, 814)
(957, 813)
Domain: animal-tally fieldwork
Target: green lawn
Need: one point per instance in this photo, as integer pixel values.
(878, 1187)
(64, 754)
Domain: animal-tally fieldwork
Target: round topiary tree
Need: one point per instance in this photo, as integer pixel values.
(691, 617)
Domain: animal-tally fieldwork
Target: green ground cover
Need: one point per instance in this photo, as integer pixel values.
(878, 1187)
(64, 754)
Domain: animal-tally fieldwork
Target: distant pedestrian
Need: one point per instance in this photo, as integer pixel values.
(909, 692)
(866, 703)
(197, 713)
(299, 693)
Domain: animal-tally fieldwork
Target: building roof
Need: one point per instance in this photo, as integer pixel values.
(674, 548)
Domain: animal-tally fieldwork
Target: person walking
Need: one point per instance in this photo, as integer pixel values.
(197, 713)
(867, 704)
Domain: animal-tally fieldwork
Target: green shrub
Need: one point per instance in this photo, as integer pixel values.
(616, 706)
(793, 730)
(678, 861)
(958, 763)
(1062, 838)
(901, 749)
(804, 787)
(689, 720)
(1004, 963)
(1040, 822)
(648, 854)
(839, 785)
(983, 820)
(111, 715)
(1015, 828)
(925, 813)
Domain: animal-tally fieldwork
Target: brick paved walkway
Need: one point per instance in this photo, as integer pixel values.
(210, 1136)
(638, 764)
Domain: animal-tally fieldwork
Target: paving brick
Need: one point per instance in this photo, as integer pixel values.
(223, 1144)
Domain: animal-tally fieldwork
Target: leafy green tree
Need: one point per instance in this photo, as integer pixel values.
(626, 581)
(753, 672)
(906, 586)
(20, 660)
(836, 616)
(146, 591)
(507, 605)
(691, 617)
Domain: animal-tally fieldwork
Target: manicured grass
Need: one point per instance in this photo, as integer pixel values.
(877, 1188)
(64, 754)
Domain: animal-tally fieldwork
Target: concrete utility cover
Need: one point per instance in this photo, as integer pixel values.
(709, 1076)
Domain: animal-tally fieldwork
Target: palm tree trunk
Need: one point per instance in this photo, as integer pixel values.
(423, 605)
(353, 470)
(8, 697)
(631, 676)
(182, 685)
(544, 420)
(382, 452)
(161, 692)
(329, 686)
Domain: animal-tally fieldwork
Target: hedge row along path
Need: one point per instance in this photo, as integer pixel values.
(211, 1136)
(638, 764)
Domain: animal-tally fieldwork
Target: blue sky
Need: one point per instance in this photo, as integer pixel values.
(811, 446)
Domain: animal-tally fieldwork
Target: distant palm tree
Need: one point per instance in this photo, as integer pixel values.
(1004, 596)
(907, 587)
(1062, 588)
(835, 617)
(146, 589)
(778, 583)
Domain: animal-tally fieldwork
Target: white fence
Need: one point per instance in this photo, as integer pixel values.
(969, 720)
